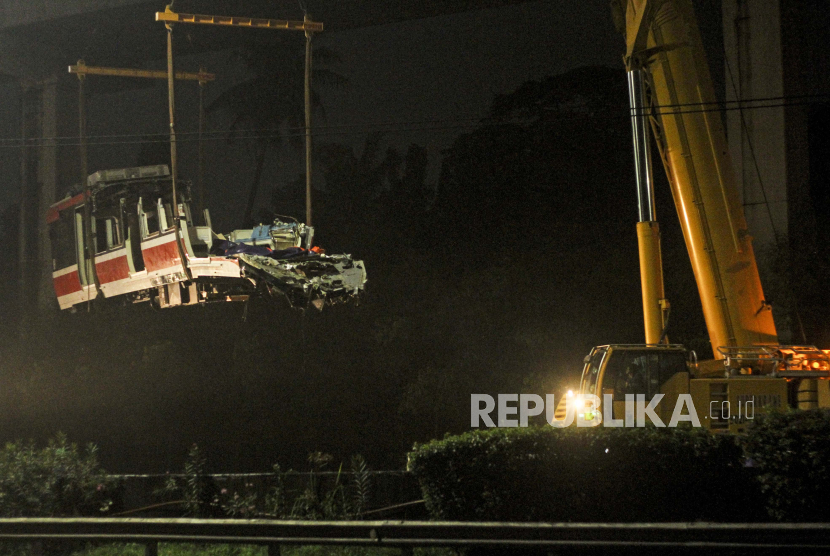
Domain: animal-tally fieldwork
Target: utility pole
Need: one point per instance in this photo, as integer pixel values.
(22, 244)
(307, 26)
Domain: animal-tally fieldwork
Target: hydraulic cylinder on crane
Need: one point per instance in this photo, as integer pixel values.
(655, 304)
(663, 40)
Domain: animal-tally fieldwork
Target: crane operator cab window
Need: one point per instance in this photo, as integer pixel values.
(591, 373)
(641, 372)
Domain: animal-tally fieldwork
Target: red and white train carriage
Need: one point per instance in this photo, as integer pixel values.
(137, 252)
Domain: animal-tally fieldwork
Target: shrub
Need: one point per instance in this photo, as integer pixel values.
(58, 480)
(323, 496)
(791, 454)
(596, 474)
(337, 499)
(195, 487)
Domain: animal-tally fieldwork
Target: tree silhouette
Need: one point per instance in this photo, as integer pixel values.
(268, 108)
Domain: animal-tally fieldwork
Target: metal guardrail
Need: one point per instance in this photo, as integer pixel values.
(584, 537)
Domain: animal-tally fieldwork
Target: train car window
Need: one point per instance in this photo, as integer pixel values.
(114, 233)
(152, 223)
(79, 246)
(149, 219)
(184, 208)
(168, 215)
(99, 239)
(62, 237)
(135, 243)
(107, 234)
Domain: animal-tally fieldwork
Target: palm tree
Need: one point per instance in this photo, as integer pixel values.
(269, 107)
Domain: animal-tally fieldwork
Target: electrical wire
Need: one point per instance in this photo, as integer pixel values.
(145, 136)
(368, 126)
(740, 101)
(352, 129)
(46, 143)
(226, 132)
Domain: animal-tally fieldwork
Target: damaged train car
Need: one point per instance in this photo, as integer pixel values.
(135, 251)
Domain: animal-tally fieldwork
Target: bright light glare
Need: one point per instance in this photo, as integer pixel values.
(579, 403)
(570, 393)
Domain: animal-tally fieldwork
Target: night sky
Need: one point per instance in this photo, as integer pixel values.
(438, 74)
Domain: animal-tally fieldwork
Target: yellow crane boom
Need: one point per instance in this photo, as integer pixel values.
(663, 40)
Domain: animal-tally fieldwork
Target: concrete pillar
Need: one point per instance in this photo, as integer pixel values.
(39, 180)
(754, 69)
(47, 180)
(30, 107)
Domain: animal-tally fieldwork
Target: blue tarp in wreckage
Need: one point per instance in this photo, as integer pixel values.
(227, 248)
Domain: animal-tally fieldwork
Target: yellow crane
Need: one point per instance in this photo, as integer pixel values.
(671, 96)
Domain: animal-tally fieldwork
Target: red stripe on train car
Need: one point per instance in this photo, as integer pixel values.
(113, 270)
(67, 283)
(163, 255)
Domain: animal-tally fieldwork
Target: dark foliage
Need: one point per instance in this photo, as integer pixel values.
(791, 453)
(59, 480)
(269, 107)
(195, 488)
(597, 474)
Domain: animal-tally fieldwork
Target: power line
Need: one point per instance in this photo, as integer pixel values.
(740, 105)
(35, 143)
(731, 108)
(351, 129)
(250, 132)
(258, 130)
(745, 100)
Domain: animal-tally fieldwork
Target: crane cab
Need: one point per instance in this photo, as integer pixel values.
(726, 394)
(622, 369)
